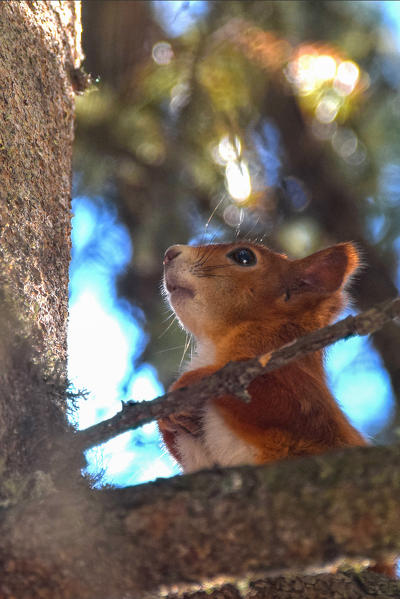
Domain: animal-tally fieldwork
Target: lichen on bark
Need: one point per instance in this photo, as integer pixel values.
(39, 46)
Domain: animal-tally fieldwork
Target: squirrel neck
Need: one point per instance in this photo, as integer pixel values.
(248, 340)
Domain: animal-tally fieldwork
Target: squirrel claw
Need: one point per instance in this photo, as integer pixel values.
(183, 422)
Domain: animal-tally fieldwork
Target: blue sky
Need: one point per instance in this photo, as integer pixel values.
(177, 16)
(104, 335)
(391, 10)
(103, 338)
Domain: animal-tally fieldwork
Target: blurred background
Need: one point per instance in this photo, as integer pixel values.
(277, 121)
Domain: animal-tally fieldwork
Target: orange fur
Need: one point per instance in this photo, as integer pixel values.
(245, 311)
(236, 312)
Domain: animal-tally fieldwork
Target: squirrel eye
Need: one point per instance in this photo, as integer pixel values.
(243, 256)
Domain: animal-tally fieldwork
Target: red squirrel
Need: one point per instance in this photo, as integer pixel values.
(239, 301)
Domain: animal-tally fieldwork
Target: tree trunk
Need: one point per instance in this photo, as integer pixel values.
(39, 49)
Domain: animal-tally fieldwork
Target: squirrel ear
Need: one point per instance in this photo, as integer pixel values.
(326, 270)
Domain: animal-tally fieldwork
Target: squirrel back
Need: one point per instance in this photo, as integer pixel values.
(239, 301)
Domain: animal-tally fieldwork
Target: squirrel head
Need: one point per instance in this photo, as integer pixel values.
(214, 288)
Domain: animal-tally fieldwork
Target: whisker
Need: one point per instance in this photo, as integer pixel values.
(209, 251)
(247, 236)
(207, 275)
(186, 347)
(168, 327)
(206, 256)
(162, 351)
(210, 219)
(198, 252)
(211, 267)
(239, 223)
(168, 317)
(214, 211)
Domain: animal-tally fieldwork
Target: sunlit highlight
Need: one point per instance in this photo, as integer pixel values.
(324, 79)
(229, 151)
(347, 77)
(238, 180)
(325, 67)
(310, 70)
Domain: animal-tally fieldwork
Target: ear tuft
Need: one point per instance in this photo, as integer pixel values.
(353, 259)
(326, 271)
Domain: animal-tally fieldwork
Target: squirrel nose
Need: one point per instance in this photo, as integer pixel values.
(171, 253)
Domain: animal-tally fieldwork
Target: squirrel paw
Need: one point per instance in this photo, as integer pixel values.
(182, 422)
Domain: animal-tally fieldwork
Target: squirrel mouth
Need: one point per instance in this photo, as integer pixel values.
(172, 284)
(179, 292)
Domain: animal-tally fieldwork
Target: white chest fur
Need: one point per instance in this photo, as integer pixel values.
(218, 445)
(203, 356)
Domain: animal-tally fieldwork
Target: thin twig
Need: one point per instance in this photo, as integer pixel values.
(235, 377)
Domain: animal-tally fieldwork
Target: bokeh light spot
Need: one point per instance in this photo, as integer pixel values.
(238, 180)
(324, 68)
(233, 216)
(345, 142)
(347, 77)
(162, 53)
(229, 149)
(327, 109)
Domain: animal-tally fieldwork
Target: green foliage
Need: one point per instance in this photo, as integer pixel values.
(316, 147)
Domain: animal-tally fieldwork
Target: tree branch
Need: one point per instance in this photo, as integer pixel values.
(347, 584)
(235, 376)
(292, 517)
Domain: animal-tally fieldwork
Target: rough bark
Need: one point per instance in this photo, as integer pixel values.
(38, 53)
(287, 518)
(39, 48)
